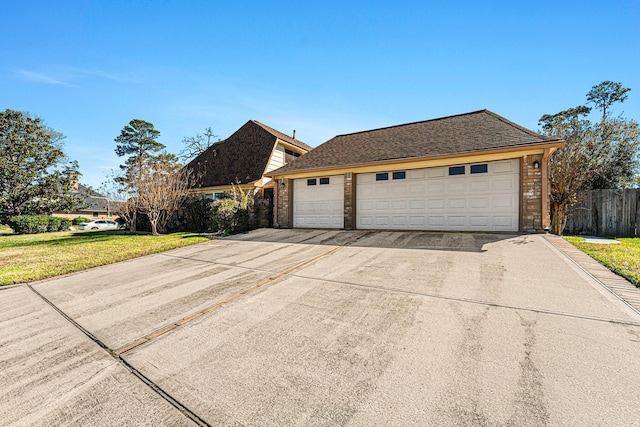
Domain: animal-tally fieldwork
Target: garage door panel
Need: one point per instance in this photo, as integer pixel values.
(436, 188)
(476, 203)
(505, 184)
(437, 204)
(436, 172)
(320, 205)
(416, 188)
(457, 221)
(415, 174)
(417, 204)
(479, 221)
(480, 185)
(504, 166)
(431, 199)
(457, 204)
(457, 186)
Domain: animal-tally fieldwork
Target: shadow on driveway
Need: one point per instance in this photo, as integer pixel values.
(430, 240)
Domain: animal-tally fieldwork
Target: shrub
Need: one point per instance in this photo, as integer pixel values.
(65, 224)
(29, 224)
(228, 216)
(77, 220)
(53, 223)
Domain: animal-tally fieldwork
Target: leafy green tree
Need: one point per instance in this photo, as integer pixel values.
(138, 142)
(35, 175)
(597, 155)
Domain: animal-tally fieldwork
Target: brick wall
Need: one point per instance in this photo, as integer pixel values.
(284, 207)
(349, 201)
(532, 193)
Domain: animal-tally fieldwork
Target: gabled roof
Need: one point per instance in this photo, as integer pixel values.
(469, 133)
(241, 158)
(93, 201)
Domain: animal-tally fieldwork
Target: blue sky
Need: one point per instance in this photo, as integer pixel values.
(323, 68)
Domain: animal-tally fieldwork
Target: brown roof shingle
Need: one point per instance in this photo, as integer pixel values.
(464, 133)
(241, 158)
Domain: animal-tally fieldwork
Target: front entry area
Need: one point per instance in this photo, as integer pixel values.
(470, 197)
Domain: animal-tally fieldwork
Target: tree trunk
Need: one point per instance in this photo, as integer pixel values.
(559, 217)
(132, 224)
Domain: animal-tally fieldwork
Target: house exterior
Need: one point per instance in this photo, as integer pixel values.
(94, 205)
(470, 172)
(243, 159)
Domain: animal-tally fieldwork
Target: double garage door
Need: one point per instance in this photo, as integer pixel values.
(483, 197)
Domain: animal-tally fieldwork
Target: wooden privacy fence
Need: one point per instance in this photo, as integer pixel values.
(606, 213)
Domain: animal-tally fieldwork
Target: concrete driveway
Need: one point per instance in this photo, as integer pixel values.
(316, 327)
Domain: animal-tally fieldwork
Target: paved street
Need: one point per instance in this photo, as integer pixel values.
(317, 327)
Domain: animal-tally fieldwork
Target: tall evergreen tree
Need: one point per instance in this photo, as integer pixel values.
(138, 142)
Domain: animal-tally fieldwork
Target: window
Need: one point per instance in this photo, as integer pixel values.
(311, 181)
(324, 181)
(456, 170)
(479, 168)
(218, 196)
(384, 176)
(399, 175)
(289, 155)
(94, 214)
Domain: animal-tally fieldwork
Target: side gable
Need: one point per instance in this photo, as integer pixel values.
(242, 158)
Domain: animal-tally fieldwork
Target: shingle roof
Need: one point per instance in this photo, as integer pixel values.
(285, 138)
(464, 133)
(93, 201)
(240, 158)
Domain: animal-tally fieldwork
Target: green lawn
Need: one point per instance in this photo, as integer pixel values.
(25, 258)
(623, 259)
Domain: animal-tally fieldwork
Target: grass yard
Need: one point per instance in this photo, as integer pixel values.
(25, 258)
(622, 259)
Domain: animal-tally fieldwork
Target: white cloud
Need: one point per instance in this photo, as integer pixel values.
(40, 77)
(63, 75)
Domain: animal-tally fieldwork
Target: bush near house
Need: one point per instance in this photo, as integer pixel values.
(33, 224)
(77, 220)
(227, 215)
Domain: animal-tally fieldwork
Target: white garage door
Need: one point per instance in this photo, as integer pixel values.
(481, 196)
(319, 202)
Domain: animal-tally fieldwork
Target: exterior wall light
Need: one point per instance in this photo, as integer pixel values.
(536, 165)
(282, 185)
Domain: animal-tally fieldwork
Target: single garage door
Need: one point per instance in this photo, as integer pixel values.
(318, 202)
(482, 196)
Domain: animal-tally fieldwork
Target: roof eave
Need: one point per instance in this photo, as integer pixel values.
(550, 144)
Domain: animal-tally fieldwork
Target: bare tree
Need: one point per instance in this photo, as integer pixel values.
(128, 212)
(198, 144)
(162, 193)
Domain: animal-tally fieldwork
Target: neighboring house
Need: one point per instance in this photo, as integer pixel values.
(93, 206)
(474, 171)
(243, 159)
